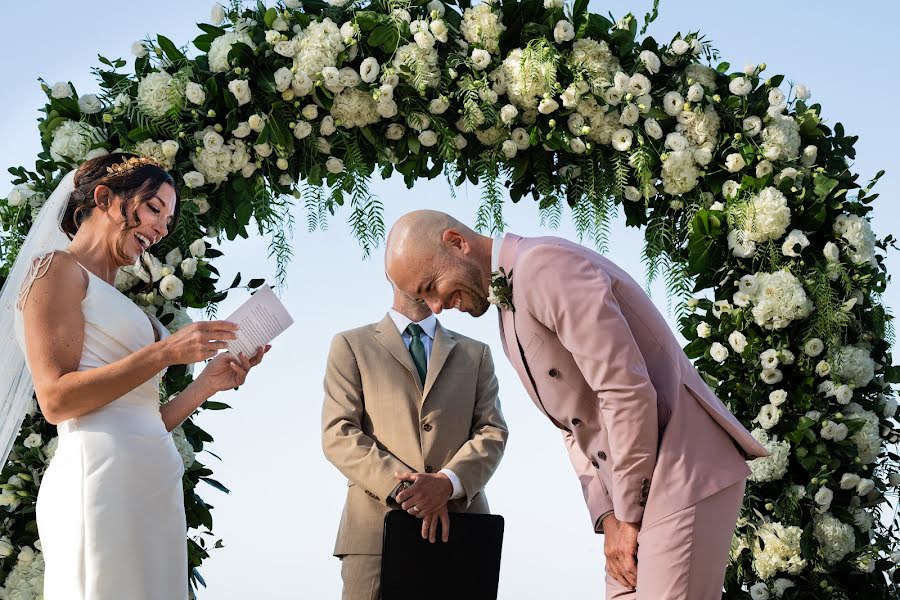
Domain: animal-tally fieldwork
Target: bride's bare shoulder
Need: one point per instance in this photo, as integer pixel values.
(54, 278)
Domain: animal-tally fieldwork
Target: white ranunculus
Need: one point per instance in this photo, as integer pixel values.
(849, 481)
(171, 287)
(771, 376)
(195, 93)
(653, 129)
(139, 49)
(680, 47)
(740, 86)
(61, 89)
(704, 330)
(282, 164)
(776, 97)
(326, 125)
(843, 394)
(242, 130)
(188, 267)
(283, 79)
(521, 137)
(395, 131)
(428, 138)
(734, 162)
(509, 149)
(89, 104)
(695, 93)
(334, 165)
(752, 126)
(197, 248)
(424, 40)
(34, 440)
(778, 397)
(622, 139)
(509, 113)
(436, 7)
(169, 148)
(174, 257)
(632, 194)
(763, 168)
(794, 244)
(630, 114)
(369, 70)
(438, 106)
(257, 123)
(801, 92)
(768, 416)
(769, 358)
(673, 103)
(241, 90)
(639, 85)
(563, 32)
(740, 245)
(577, 146)
(718, 352)
(481, 58)
(650, 61)
(759, 591)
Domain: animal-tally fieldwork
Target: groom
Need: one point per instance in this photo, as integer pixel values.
(411, 418)
(660, 458)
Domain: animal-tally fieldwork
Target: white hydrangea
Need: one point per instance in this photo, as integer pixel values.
(482, 26)
(868, 441)
(221, 46)
(836, 539)
(777, 550)
(679, 173)
(154, 149)
(853, 365)
(781, 138)
(766, 216)
(596, 60)
(857, 231)
(317, 47)
(354, 108)
(702, 74)
(26, 579)
(701, 128)
(526, 79)
(216, 159)
(159, 92)
(73, 140)
(774, 466)
(415, 64)
(188, 456)
(779, 299)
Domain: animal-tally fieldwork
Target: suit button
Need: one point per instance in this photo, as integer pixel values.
(596, 465)
(576, 422)
(601, 455)
(428, 469)
(553, 373)
(427, 427)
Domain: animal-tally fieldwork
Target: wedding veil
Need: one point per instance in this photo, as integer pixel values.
(16, 386)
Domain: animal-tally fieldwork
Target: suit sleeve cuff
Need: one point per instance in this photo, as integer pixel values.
(598, 524)
(458, 491)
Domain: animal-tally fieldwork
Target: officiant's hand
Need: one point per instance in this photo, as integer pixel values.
(428, 493)
(620, 548)
(227, 370)
(430, 523)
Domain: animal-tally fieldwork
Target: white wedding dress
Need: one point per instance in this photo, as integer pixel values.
(110, 508)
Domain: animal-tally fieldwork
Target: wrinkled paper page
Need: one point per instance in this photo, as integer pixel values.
(261, 319)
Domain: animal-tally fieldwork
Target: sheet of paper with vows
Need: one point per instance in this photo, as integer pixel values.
(261, 319)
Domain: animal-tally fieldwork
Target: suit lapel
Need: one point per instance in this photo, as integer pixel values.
(387, 335)
(441, 347)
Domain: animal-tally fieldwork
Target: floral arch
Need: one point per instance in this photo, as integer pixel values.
(746, 198)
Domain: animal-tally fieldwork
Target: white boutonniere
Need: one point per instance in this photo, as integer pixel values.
(500, 293)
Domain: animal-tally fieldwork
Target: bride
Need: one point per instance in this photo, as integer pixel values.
(110, 509)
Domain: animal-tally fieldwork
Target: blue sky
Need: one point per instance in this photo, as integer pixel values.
(280, 519)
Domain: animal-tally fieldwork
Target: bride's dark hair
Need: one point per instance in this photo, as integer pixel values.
(136, 186)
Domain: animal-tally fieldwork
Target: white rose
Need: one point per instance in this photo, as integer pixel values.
(630, 114)
(283, 79)
(832, 252)
(759, 591)
(61, 89)
(174, 257)
(810, 154)
(764, 168)
(695, 93)
(577, 146)
(326, 126)
(849, 481)
(509, 149)
(653, 129)
(509, 113)
(824, 497)
(169, 148)
(813, 347)
(843, 394)
(197, 248)
(33, 441)
(740, 86)
(395, 131)
(718, 352)
(778, 397)
(194, 179)
(632, 194)
(680, 47)
(622, 139)
(428, 138)
(673, 104)
(776, 97)
(865, 486)
(436, 7)
(768, 416)
(89, 104)
(171, 287)
(734, 162)
(334, 165)
(737, 341)
(563, 32)
(771, 376)
(257, 123)
(438, 106)
(480, 59)
(801, 92)
(189, 267)
(424, 40)
(823, 368)
(302, 129)
(439, 31)
(547, 106)
(282, 164)
(752, 126)
(704, 330)
(242, 130)
(263, 150)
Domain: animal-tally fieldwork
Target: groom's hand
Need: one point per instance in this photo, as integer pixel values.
(430, 523)
(427, 495)
(620, 546)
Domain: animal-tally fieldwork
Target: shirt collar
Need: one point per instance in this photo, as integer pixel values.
(428, 324)
(495, 254)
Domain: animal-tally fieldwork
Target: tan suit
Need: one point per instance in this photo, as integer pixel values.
(648, 439)
(378, 419)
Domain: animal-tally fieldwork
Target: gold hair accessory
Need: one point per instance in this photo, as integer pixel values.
(135, 162)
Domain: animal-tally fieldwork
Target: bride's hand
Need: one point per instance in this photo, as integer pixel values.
(227, 371)
(198, 341)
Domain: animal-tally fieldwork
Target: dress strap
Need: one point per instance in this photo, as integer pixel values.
(39, 267)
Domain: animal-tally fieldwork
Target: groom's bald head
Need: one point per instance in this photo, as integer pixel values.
(433, 256)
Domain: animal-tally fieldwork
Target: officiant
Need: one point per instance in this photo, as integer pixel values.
(412, 419)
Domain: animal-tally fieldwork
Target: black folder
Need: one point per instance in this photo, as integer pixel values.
(466, 567)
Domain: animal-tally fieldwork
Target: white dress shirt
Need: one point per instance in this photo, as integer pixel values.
(429, 327)
(495, 254)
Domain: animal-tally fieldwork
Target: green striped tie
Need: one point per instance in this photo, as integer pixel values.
(417, 349)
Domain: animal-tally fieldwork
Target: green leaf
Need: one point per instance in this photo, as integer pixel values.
(169, 49)
(236, 282)
(269, 17)
(255, 283)
(213, 405)
(215, 484)
(367, 20)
